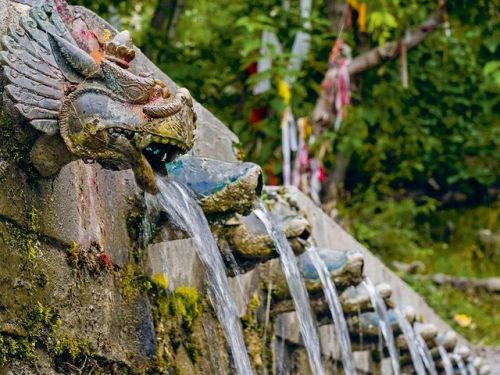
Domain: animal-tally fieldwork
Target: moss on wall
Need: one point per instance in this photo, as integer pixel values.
(176, 314)
(15, 143)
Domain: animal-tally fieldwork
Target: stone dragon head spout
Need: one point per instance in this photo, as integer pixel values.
(88, 95)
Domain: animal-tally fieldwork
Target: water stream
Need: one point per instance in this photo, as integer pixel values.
(332, 298)
(448, 366)
(308, 328)
(472, 370)
(179, 204)
(460, 364)
(385, 325)
(426, 354)
(409, 336)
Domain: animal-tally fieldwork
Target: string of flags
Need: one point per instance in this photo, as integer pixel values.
(306, 171)
(338, 86)
(270, 44)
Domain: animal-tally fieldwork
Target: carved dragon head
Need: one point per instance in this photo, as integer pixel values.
(103, 110)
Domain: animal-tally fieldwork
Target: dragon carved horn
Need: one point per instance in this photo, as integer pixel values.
(170, 107)
(74, 62)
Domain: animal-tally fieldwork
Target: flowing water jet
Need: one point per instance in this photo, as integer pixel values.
(460, 364)
(385, 325)
(472, 370)
(426, 354)
(308, 327)
(409, 336)
(448, 366)
(280, 350)
(332, 298)
(180, 205)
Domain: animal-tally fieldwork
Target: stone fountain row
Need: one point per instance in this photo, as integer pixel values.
(247, 248)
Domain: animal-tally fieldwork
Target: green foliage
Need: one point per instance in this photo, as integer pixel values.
(380, 26)
(482, 307)
(440, 134)
(446, 240)
(388, 226)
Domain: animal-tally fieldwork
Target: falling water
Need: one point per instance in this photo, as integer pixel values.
(332, 297)
(280, 349)
(385, 325)
(178, 202)
(472, 369)
(297, 290)
(409, 335)
(426, 354)
(460, 364)
(448, 367)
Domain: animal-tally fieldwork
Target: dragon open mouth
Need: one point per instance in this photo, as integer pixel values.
(158, 154)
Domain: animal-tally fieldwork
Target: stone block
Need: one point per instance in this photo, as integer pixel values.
(179, 259)
(89, 205)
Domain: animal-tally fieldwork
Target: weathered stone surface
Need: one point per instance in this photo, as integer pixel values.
(89, 205)
(243, 287)
(90, 308)
(16, 199)
(180, 260)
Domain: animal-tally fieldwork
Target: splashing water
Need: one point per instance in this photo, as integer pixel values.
(426, 355)
(448, 366)
(385, 325)
(460, 364)
(332, 297)
(179, 204)
(409, 336)
(297, 290)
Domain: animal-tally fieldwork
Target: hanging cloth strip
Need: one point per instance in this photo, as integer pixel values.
(300, 49)
(302, 163)
(288, 132)
(338, 86)
(342, 92)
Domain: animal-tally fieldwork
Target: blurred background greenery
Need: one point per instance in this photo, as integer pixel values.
(422, 180)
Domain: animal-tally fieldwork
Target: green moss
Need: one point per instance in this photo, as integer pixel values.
(131, 282)
(39, 326)
(177, 316)
(70, 348)
(184, 303)
(127, 278)
(15, 143)
(137, 226)
(16, 348)
(42, 332)
(25, 240)
(136, 233)
(161, 280)
(253, 333)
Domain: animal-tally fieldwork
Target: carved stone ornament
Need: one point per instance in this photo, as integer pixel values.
(78, 86)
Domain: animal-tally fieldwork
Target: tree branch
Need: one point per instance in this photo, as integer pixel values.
(323, 111)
